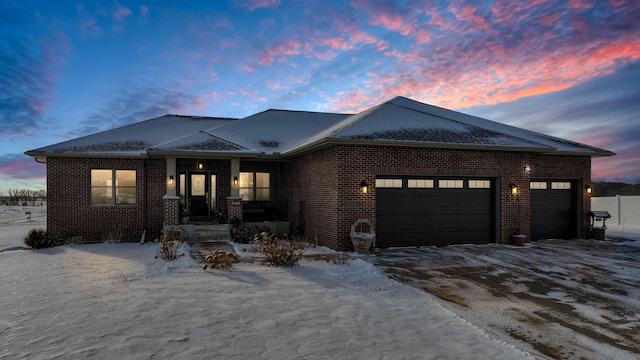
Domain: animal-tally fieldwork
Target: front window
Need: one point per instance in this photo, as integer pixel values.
(254, 186)
(113, 187)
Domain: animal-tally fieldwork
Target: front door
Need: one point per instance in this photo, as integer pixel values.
(202, 194)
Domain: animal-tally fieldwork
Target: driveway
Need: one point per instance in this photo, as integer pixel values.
(560, 299)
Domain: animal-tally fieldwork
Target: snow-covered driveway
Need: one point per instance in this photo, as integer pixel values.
(563, 299)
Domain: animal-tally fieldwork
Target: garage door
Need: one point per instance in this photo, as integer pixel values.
(434, 211)
(553, 209)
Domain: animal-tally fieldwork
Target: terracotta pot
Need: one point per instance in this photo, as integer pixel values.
(518, 240)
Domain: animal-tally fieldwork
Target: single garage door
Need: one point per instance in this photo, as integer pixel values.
(553, 209)
(434, 211)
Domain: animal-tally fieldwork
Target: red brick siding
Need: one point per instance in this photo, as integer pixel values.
(329, 182)
(314, 179)
(69, 209)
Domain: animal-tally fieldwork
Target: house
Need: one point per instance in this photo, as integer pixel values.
(423, 175)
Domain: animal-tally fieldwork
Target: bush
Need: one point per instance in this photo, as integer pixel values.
(74, 240)
(219, 259)
(172, 240)
(279, 252)
(40, 239)
(113, 234)
(239, 233)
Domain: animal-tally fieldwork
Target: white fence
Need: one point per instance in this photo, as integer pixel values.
(625, 214)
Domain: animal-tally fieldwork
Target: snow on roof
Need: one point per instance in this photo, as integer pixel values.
(277, 131)
(272, 132)
(395, 122)
(135, 139)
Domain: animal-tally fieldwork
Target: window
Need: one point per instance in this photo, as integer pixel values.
(254, 186)
(389, 183)
(420, 184)
(538, 185)
(560, 185)
(479, 184)
(106, 191)
(450, 184)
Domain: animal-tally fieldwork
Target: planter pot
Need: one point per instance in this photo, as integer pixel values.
(184, 220)
(518, 240)
(362, 243)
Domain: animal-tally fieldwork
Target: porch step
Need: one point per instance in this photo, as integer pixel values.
(204, 238)
(204, 233)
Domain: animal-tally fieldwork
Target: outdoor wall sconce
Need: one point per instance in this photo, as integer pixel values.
(587, 188)
(235, 181)
(514, 188)
(364, 187)
(170, 179)
(200, 166)
(527, 169)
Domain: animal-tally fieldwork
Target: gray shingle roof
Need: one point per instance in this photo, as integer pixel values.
(399, 121)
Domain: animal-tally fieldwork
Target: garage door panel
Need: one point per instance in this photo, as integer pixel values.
(434, 216)
(553, 212)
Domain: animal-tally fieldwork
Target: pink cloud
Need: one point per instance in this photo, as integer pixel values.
(121, 12)
(385, 15)
(279, 51)
(22, 168)
(581, 4)
(259, 4)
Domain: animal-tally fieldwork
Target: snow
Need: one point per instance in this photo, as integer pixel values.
(115, 300)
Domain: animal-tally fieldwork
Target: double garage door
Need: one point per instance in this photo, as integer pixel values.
(434, 211)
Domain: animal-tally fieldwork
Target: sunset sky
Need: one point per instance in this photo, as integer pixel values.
(565, 68)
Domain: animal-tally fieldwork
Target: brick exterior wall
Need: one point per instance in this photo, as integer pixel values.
(69, 209)
(329, 183)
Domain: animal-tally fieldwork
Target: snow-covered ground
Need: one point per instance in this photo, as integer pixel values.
(118, 301)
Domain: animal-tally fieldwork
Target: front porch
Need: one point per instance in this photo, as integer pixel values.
(210, 190)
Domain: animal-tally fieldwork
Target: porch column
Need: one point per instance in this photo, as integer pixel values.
(234, 204)
(171, 210)
(235, 174)
(171, 176)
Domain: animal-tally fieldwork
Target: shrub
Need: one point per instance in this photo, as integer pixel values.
(40, 239)
(74, 240)
(172, 240)
(279, 252)
(219, 259)
(113, 234)
(239, 233)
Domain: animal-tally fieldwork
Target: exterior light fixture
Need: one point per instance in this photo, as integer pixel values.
(514, 188)
(170, 179)
(364, 187)
(587, 188)
(235, 181)
(527, 169)
(200, 166)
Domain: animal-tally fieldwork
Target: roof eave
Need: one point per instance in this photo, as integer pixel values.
(208, 154)
(44, 154)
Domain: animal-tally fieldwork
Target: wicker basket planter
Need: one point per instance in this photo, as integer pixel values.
(362, 241)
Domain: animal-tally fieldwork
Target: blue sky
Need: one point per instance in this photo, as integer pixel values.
(566, 68)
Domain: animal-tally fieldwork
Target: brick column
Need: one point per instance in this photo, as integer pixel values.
(234, 204)
(171, 210)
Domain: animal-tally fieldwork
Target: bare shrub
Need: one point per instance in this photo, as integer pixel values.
(219, 259)
(74, 240)
(40, 239)
(171, 242)
(278, 252)
(113, 234)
